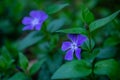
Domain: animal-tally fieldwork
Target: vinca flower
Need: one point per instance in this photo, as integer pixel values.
(73, 46)
(35, 20)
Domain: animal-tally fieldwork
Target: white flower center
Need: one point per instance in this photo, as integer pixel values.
(35, 21)
(74, 46)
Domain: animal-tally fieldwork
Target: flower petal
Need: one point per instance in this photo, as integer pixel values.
(81, 39)
(69, 55)
(77, 53)
(29, 27)
(38, 26)
(66, 45)
(72, 37)
(26, 20)
(44, 17)
(39, 14)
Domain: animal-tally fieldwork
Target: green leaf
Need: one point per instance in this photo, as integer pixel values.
(11, 47)
(6, 53)
(29, 40)
(7, 57)
(107, 52)
(73, 69)
(109, 67)
(73, 31)
(3, 63)
(86, 45)
(55, 62)
(18, 76)
(112, 41)
(35, 67)
(56, 24)
(55, 8)
(23, 61)
(86, 15)
(101, 22)
(90, 56)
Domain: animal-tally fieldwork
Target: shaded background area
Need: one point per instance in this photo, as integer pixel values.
(12, 12)
(45, 44)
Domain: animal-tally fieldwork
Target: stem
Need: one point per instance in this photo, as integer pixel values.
(92, 76)
(90, 37)
(90, 41)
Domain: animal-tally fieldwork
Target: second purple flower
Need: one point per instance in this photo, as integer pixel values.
(35, 20)
(73, 46)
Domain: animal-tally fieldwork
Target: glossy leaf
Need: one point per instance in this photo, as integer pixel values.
(53, 63)
(86, 16)
(112, 41)
(23, 61)
(56, 24)
(29, 40)
(55, 8)
(107, 52)
(36, 66)
(3, 63)
(74, 69)
(73, 31)
(11, 47)
(86, 45)
(6, 57)
(102, 22)
(18, 76)
(108, 67)
(6, 53)
(90, 56)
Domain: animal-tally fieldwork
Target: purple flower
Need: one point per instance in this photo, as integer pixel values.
(73, 46)
(35, 20)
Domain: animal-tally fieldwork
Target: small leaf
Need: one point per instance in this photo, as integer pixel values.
(101, 22)
(11, 47)
(86, 45)
(109, 67)
(35, 67)
(90, 56)
(3, 63)
(86, 15)
(18, 76)
(23, 61)
(6, 53)
(55, 62)
(7, 57)
(73, 31)
(112, 41)
(74, 69)
(56, 24)
(29, 40)
(55, 8)
(107, 52)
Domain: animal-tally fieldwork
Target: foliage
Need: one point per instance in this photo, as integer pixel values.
(37, 55)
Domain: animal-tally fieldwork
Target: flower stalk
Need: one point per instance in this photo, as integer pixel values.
(89, 37)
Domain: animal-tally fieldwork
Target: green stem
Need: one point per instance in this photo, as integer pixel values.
(90, 41)
(90, 44)
(92, 76)
(90, 37)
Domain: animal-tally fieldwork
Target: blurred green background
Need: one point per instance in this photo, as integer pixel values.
(12, 12)
(44, 46)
